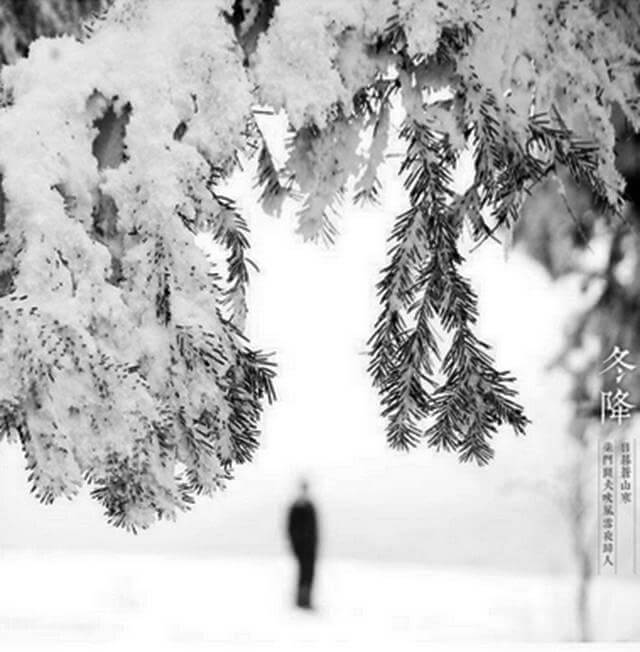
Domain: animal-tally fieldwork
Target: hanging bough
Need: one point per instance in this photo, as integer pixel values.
(123, 356)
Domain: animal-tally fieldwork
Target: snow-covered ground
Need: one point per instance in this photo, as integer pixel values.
(89, 601)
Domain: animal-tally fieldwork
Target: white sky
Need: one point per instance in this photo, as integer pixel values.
(315, 308)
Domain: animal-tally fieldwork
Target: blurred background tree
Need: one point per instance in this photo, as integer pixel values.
(562, 228)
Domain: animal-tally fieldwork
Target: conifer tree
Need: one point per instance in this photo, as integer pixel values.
(126, 364)
(561, 228)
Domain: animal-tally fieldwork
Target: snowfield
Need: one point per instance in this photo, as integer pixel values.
(90, 601)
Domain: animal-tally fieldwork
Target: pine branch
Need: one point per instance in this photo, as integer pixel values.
(319, 161)
(506, 173)
(376, 106)
(401, 356)
(231, 230)
(273, 192)
(249, 381)
(578, 155)
(423, 283)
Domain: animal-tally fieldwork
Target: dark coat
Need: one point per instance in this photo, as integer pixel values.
(302, 527)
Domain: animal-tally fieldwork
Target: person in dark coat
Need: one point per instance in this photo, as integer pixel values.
(302, 528)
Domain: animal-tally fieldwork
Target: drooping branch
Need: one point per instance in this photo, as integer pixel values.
(113, 154)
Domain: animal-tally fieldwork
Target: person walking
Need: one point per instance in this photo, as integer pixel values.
(302, 529)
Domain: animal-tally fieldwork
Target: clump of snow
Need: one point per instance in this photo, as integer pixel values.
(113, 329)
(85, 358)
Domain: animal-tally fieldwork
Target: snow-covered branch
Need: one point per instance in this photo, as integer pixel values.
(124, 363)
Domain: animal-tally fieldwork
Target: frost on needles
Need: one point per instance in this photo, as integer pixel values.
(123, 355)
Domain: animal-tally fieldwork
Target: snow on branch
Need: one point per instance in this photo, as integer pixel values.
(123, 355)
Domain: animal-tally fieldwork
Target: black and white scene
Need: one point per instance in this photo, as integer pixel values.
(319, 324)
